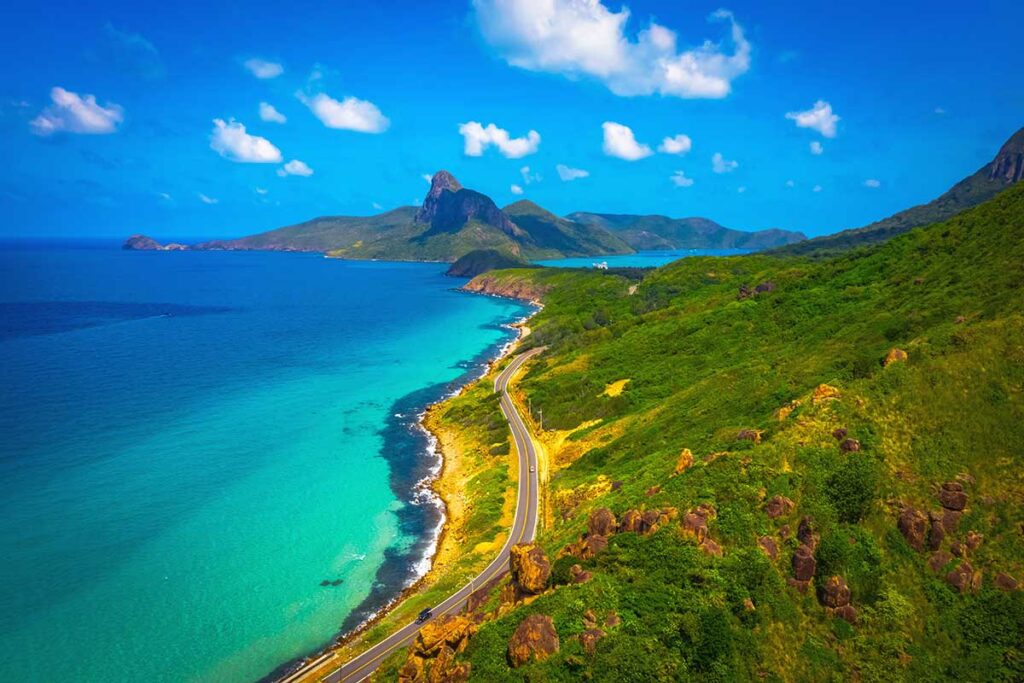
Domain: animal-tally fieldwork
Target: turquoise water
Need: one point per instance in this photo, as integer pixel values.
(641, 259)
(191, 443)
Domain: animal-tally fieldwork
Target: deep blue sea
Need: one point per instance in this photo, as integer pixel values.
(191, 443)
(641, 259)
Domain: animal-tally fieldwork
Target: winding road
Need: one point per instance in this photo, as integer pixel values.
(524, 527)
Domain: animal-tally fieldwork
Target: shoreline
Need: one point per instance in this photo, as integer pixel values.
(428, 488)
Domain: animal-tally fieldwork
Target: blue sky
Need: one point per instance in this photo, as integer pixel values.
(375, 95)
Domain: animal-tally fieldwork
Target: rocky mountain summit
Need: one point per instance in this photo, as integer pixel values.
(449, 206)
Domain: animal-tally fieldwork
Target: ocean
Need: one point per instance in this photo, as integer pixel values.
(640, 259)
(192, 443)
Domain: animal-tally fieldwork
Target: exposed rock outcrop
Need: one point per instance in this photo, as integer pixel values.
(601, 522)
(535, 638)
(749, 435)
(778, 506)
(431, 657)
(849, 445)
(913, 524)
(952, 496)
(685, 461)
(530, 568)
(448, 206)
(769, 546)
(804, 564)
(1005, 582)
(894, 356)
(963, 578)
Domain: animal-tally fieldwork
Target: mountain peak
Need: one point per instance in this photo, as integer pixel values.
(442, 182)
(448, 206)
(1008, 166)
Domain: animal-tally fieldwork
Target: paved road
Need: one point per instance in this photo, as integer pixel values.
(523, 529)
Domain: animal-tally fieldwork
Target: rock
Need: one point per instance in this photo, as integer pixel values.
(589, 638)
(962, 577)
(839, 433)
(685, 461)
(744, 293)
(601, 523)
(834, 592)
(653, 491)
(768, 545)
(535, 638)
(651, 519)
(805, 533)
(952, 496)
(973, 540)
(825, 392)
(695, 523)
(804, 564)
(449, 630)
(960, 320)
(325, 582)
(849, 445)
(784, 531)
(913, 524)
(958, 549)
(709, 547)
(592, 545)
(764, 287)
(951, 520)
(612, 620)
(936, 530)
(798, 584)
(847, 613)
(578, 575)
(530, 567)
(1005, 582)
(337, 582)
(939, 560)
(749, 435)
(632, 520)
(894, 356)
(589, 619)
(616, 485)
(412, 670)
(448, 206)
(777, 506)
(748, 605)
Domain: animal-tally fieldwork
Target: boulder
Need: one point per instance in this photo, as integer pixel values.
(936, 530)
(847, 613)
(839, 433)
(601, 523)
(973, 540)
(769, 546)
(804, 564)
(749, 435)
(709, 547)
(578, 575)
(834, 592)
(825, 392)
(938, 560)
(913, 524)
(589, 638)
(951, 520)
(748, 605)
(632, 520)
(653, 491)
(962, 577)
(535, 638)
(412, 670)
(650, 518)
(849, 445)
(764, 287)
(685, 461)
(894, 356)
(1005, 582)
(778, 506)
(952, 496)
(450, 630)
(805, 533)
(612, 620)
(530, 567)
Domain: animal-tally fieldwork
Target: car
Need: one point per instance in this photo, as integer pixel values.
(533, 468)
(424, 615)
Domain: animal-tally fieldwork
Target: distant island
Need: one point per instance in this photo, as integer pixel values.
(454, 221)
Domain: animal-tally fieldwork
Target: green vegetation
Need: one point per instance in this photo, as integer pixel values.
(482, 260)
(707, 355)
(661, 232)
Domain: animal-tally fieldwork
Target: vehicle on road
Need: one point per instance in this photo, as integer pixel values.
(424, 615)
(533, 468)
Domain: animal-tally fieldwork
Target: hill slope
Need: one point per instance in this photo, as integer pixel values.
(545, 231)
(1005, 169)
(791, 440)
(661, 232)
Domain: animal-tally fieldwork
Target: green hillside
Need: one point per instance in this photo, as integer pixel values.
(547, 232)
(1005, 169)
(801, 434)
(661, 232)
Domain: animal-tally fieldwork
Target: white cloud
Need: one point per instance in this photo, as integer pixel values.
(741, 189)
(270, 113)
(817, 148)
(585, 38)
(74, 113)
(428, 178)
(350, 113)
(819, 118)
(515, 189)
(790, 183)
(207, 200)
(873, 183)
(620, 142)
(940, 111)
(261, 191)
(261, 68)
(478, 138)
(817, 188)
(377, 206)
(529, 177)
(720, 164)
(679, 179)
(232, 142)
(568, 173)
(295, 167)
(164, 196)
(679, 144)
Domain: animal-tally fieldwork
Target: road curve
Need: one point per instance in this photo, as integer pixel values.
(524, 527)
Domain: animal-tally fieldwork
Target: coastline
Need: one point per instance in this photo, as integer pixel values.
(442, 465)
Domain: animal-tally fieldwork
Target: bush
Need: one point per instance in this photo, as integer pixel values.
(851, 488)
